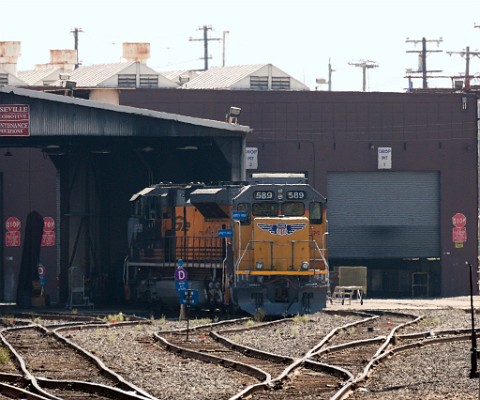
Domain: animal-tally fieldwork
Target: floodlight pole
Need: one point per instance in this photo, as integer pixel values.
(474, 368)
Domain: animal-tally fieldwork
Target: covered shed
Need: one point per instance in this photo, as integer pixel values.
(102, 154)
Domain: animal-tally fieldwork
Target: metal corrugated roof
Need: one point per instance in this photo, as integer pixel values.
(125, 109)
(222, 77)
(37, 76)
(97, 75)
(94, 75)
(174, 76)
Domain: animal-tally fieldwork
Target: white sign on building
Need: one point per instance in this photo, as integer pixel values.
(251, 158)
(384, 158)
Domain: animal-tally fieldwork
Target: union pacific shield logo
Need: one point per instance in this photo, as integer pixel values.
(281, 229)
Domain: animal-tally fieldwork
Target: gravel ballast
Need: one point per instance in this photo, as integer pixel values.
(431, 372)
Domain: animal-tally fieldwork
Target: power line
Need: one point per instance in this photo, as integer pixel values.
(466, 54)
(422, 64)
(364, 64)
(205, 40)
(75, 32)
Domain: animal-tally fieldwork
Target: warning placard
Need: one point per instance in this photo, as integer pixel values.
(48, 238)
(12, 239)
(459, 235)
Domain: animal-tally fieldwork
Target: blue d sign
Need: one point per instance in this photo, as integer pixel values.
(181, 274)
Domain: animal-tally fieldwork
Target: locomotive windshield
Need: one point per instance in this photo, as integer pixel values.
(265, 209)
(293, 209)
(287, 209)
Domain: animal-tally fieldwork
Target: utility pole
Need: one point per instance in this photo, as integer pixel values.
(364, 64)
(75, 32)
(322, 81)
(330, 70)
(467, 54)
(423, 56)
(225, 33)
(205, 40)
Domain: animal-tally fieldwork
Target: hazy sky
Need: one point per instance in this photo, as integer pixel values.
(297, 36)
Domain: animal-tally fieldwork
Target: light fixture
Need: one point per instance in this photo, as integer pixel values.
(100, 151)
(259, 265)
(233, 114)
(146, 149)
(304, 266)
(55, 152)
(70, 85)
(64, 76)
(187, 148)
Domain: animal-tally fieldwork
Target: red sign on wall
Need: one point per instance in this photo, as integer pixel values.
(12, 239)
(14, 120)
(459, 234)
(459, 220)
(12, 236)
(12, 224)
(48, 239)
(48, 236)
(48, 224)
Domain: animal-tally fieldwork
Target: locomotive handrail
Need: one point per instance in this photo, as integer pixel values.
(247, 246)
(316, 247)
(321, 251)
(242, 255)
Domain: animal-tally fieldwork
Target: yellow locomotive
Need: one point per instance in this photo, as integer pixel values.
(260, 245)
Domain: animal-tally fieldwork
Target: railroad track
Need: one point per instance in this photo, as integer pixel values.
(333, 364)
(58, 369)
(327, 370)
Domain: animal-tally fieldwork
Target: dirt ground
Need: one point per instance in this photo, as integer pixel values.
(462, 302)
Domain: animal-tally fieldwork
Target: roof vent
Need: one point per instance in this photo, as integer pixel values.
(136, 52)
(9, 53)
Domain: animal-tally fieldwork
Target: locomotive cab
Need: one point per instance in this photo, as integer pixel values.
(280, 251)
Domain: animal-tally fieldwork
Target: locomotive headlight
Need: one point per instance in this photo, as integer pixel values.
(259, 265)
(304, 266)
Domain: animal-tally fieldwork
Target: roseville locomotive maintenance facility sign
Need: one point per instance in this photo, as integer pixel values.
(14, 120)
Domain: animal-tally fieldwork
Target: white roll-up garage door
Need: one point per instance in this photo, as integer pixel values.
(383, 214)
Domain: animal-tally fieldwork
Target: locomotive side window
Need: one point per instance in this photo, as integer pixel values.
(316, 213)
(291, 209)
(246, 208)
(137, 208)
(265, 209)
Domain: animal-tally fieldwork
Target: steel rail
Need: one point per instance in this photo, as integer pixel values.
(123, 383)
(381, 352)
(125, 390)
